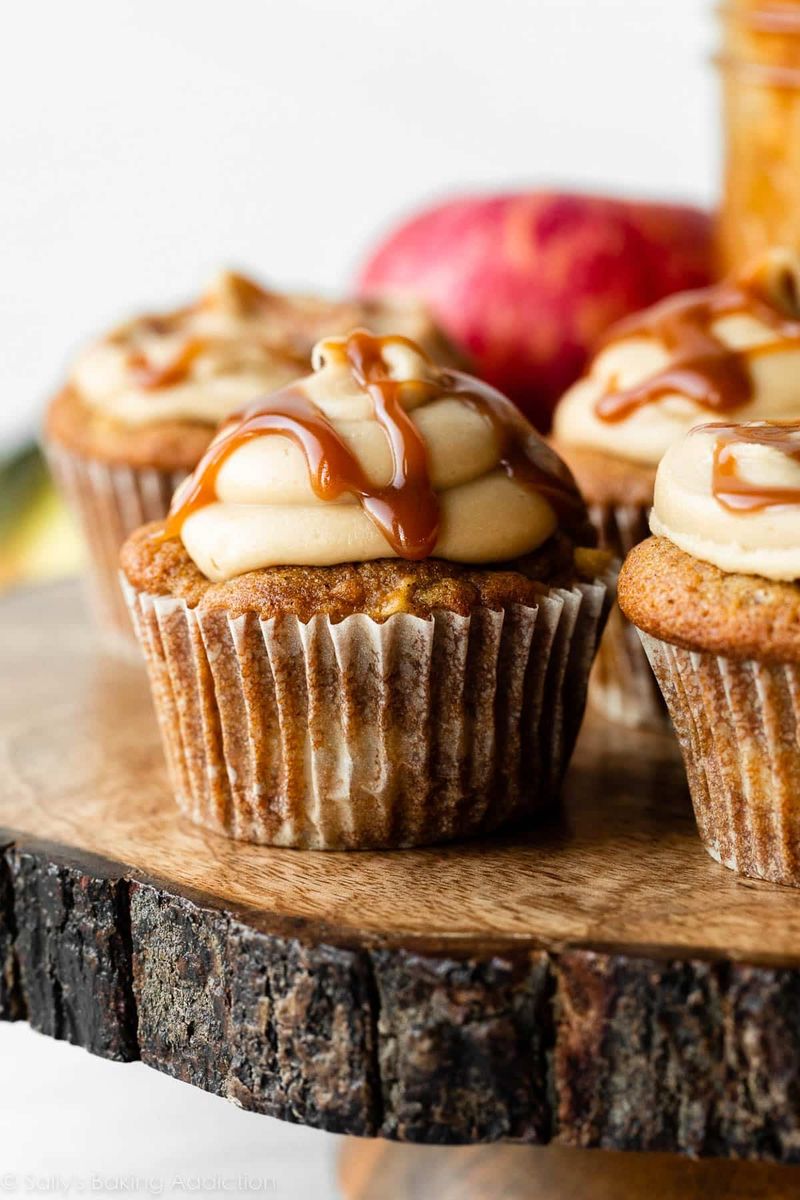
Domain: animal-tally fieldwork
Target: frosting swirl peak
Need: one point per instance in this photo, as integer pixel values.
(377, 454)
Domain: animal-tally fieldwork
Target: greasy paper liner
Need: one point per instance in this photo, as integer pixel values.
(621, 685)
(738, 724)
(365, 734)
(110, 501)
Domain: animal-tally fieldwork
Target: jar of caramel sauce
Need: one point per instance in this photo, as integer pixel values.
(759, 60)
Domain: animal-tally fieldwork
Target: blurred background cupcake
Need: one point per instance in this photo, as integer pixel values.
(716, 597)
(733, 348)
(141, 405)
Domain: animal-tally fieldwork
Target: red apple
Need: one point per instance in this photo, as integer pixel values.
(525, 284)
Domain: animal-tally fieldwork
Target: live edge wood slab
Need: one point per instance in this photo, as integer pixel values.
(597, 982)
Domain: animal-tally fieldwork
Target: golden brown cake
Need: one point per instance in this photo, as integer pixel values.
(370, 615)
(142, 404)
(379, 588)
(693, 604)
(732, 350)
(716, 598)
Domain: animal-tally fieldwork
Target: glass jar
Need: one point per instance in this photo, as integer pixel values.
(760, 66)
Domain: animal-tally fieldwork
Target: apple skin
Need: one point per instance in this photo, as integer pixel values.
(524, 284)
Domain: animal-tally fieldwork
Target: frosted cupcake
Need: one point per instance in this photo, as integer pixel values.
(370, 617)
(142, 404)
(732, 350)
(716, 597)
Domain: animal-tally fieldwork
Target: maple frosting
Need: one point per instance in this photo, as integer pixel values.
(205, 361)
(730, 495)
(732, 349)
(378, 453)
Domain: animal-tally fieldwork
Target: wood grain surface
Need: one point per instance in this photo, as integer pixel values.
(599, 981)
(376, 1170)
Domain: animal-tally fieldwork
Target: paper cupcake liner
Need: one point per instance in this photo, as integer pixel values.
(622, 686)
(110, 501)
(738, 724)
(365, 734)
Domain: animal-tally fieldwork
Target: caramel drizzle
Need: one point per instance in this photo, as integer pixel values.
(523, 455)
(742, 495)
(247, 298)
(406, 509)
(151, 378)
(177, 370)
(701, 367)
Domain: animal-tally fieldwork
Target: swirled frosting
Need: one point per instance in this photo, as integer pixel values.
(730, 348)
(376, 454)
(730, 495)
(203, 362)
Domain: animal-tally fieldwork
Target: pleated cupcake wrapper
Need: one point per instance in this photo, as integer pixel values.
(738, 724)
(365, 734)
(110, 501)
(622, 686)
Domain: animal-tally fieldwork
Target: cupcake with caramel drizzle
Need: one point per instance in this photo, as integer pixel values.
(730, 352)
(142, 404)
(716, 596)
(378, 588)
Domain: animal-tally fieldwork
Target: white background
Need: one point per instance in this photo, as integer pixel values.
(143, 144)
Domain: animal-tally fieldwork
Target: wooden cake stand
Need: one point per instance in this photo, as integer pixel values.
(599, 982)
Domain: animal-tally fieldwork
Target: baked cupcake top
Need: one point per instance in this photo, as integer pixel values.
(377, 454)
(730, 495)
(732, 349)
(201, 363)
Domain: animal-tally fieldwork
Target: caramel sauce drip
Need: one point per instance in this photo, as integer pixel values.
(243, 297)
(742, 495)
(151, 378)
(701, 367)
(176, 371)
(524, 457)
(406, 509)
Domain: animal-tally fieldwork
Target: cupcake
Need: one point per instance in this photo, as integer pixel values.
(733, 348)
(370, 616)
(141, 405)
(716, 598)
